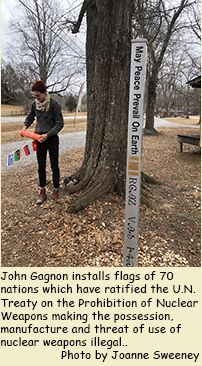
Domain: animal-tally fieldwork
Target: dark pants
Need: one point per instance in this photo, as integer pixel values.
(51, 145)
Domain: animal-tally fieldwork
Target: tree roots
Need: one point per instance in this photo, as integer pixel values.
(101, 188)
(148, 179)
(87, 197)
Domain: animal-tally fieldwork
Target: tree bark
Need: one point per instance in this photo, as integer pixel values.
(151, 100)
(108, 73)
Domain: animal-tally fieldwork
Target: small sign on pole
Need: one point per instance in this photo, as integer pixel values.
(134, 149)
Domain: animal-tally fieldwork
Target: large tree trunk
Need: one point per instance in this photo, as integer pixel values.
(108, 73)
(151, 100)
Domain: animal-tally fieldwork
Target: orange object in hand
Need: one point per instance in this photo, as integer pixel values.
(32, 135)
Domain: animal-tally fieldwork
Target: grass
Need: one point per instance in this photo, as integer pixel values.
(175, 226)
(8, 110)
(153, 222)
(193, 120)
(11, 110)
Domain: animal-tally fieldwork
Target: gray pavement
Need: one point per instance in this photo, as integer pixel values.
(160, 122)
(68, 141)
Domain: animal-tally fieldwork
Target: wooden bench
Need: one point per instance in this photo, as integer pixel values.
(188, 139)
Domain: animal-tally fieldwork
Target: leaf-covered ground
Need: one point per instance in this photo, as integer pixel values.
(47, 236)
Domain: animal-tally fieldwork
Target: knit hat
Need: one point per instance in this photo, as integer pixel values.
(39, 86)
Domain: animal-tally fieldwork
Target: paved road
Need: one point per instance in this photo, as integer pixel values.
(68, 141)
(160, 122)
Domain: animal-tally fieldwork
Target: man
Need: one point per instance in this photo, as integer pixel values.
(49, 122)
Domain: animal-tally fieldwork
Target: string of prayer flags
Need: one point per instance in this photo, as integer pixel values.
(26, 149)
(17, 155)
(34, 145)
(10, 159)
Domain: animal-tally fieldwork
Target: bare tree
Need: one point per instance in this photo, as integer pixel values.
(189, 96)
(8, 84)
(169, 77)
(43, 44)
(157, 21)
(108, 74)
(194, 16)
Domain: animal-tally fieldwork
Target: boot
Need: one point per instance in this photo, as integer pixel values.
(42, 197)
(56, 196)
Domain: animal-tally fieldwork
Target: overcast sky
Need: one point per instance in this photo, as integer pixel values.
(7, 8)
(11, 7)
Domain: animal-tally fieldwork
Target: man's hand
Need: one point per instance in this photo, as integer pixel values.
(43, 137)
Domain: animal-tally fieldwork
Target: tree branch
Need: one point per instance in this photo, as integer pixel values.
(81, 15)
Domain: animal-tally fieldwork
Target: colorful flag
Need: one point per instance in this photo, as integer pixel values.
(17, 155)
(10, 159)
(26, 149)
(34, 145)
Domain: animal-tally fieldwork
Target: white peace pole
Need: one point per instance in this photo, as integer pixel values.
(134, 149)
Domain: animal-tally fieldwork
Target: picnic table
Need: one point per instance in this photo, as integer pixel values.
(188, 139)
